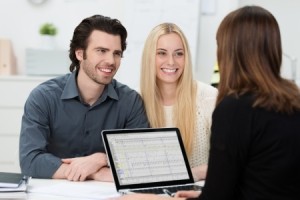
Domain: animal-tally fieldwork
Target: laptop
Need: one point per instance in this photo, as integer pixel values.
(148, 160)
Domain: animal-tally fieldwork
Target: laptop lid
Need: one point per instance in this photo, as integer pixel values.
(148, 157)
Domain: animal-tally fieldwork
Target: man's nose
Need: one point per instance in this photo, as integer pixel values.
(110, 59)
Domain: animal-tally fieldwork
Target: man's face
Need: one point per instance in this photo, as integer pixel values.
(102, 58)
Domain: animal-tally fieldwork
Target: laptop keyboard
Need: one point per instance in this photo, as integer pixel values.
(171, 189)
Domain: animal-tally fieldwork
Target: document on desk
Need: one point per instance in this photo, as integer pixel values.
(80, 190)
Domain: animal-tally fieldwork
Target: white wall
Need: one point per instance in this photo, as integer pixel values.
(20, 21)
(287, 14)
(21, 24)
(207, 47)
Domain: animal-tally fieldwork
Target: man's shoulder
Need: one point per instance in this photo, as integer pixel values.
(122, 88)
(52, 85)
(59, 81)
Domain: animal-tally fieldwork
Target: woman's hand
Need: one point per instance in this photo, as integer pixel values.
(187, 194)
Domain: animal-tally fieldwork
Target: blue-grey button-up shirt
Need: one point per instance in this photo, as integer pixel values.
(57, 124)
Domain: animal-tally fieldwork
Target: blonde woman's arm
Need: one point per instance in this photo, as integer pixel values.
(199, 172)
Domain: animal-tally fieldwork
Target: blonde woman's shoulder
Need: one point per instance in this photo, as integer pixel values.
(206, 90)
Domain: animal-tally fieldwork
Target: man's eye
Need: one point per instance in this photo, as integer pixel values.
(118, 54)
(101, 50)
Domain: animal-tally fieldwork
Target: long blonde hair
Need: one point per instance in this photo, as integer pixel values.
(184, 111)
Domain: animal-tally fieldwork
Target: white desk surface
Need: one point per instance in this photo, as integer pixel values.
(46, 189)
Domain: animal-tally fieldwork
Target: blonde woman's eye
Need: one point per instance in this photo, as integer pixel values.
(178, 54)
(161, 53)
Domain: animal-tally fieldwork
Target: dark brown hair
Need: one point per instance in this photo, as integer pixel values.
(249, 57)
(86, 27)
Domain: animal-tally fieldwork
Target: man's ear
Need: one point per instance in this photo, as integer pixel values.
(79, 54)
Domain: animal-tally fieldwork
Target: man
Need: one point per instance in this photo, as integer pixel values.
(63, 117)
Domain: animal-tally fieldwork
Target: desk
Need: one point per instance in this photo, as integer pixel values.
(46, 189)
(53, 189)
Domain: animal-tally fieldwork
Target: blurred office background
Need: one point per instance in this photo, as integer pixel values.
(20, 21)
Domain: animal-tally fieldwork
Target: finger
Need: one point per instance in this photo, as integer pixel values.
(67, 160)
(180, 194)
(67, 172)
(76, 177)
(82, 178)
(83, 175)
(72, 173)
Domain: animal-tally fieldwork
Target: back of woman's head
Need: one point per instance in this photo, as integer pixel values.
(249, 57)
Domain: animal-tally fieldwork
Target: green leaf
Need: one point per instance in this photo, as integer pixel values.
(48, 29)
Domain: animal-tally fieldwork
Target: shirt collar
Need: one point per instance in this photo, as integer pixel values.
(71, 90)
(111, 91)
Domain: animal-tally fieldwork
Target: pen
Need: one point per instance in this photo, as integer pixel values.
(166, 191)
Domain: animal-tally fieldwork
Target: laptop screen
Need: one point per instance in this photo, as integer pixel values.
(145, 156)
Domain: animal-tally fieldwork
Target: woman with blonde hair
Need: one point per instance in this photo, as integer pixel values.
(172, 97)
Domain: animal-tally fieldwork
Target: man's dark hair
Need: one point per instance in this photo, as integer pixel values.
(86, 27)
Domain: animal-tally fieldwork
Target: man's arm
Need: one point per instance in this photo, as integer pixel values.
(199, 172)
(60, 172)
(81, 168)
(136, 113)
(104, 174)
(35, 160)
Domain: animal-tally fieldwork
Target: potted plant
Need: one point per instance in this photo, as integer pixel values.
(48, 29)
(47, 32)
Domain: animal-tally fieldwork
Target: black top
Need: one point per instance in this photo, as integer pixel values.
(255, 154)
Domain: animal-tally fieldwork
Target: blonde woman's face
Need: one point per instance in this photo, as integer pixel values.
(170, 58)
